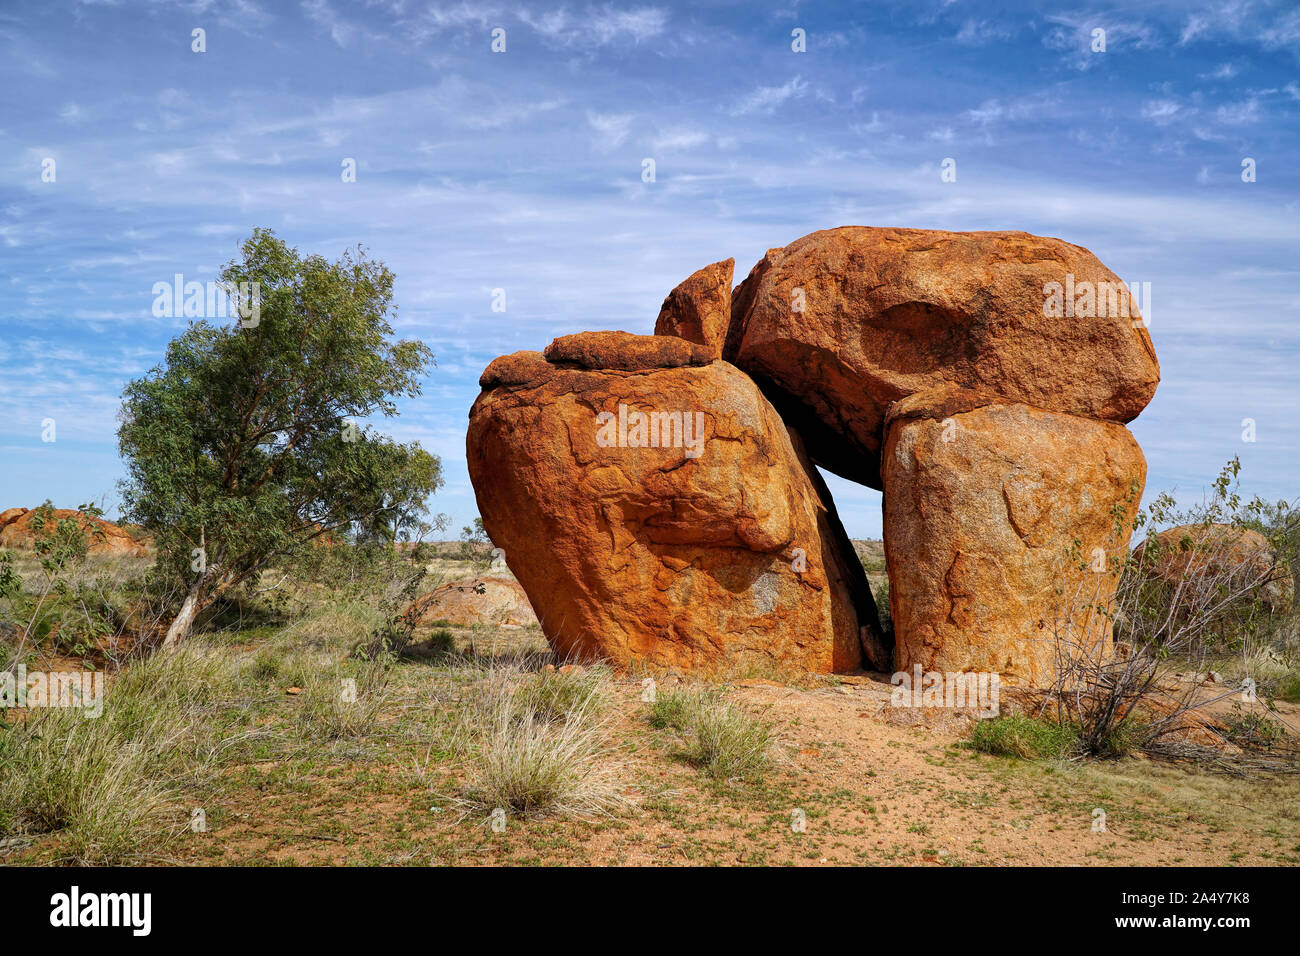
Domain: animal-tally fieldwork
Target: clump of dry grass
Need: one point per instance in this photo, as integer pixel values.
(553, 694)
(542, 745)
(344, 700)
(717, 737)
(334, 626)
(106, 783)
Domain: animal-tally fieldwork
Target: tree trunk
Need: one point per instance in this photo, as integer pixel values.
(180, 627)
(197, 599)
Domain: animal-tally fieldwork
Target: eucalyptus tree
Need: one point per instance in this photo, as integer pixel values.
(243, 446)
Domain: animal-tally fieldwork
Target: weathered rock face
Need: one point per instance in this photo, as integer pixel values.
(1219, 554)
(656, 509)
(699, 310)
(657, 499)
(840, 324)
(983, 501)
(491, 600)
(105, 537)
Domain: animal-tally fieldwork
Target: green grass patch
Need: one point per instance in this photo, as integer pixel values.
(1022, 737)
(719, 738)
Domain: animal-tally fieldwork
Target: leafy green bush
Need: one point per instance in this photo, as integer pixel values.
(1254, 729)
(1288, 688)
(441, 643)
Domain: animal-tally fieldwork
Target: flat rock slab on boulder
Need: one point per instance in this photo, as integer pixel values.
(840, 324)
(490, 600)
(105, 538)
(983, 502)
(1219, 555)
(656, 509)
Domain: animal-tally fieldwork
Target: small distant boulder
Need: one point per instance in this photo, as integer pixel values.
(488, 600)
(1219, 552)
(16, 532)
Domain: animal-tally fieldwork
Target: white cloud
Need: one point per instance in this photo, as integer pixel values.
(1224, 71)
(980, 32)
(766, 99)
(679, 137)
(1196, 25)
(1240, 113)
(611, 128)
(321, 13)
(1071, 34)
(1282, 33)
(167, 164)
(988, 112)
(1162, 112)
(597, 26)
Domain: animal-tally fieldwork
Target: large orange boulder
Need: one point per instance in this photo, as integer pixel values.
(840, 324)
(1000, 531)
(1214, 556)
(16, 531)
(656, 509)
(699, 310)
(490, 600)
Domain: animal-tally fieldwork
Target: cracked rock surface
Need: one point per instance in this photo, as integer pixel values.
(982, 380)
(704, 544)
(984, 501)
(840, 324)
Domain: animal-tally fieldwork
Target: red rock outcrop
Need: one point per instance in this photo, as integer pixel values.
(840, 324)
(982, 380)
(656, 509)
(105, 537)
(984, 499)
(1219, 554)
(489, 600)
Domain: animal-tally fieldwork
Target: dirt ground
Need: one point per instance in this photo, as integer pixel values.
(877, 786)
(874, 784)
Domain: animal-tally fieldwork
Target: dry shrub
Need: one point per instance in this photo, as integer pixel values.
(1211, 607)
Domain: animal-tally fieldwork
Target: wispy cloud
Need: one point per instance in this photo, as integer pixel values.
(611, 129)
(979, 32)
(765, 100)
(1164, 111)
(599, 26)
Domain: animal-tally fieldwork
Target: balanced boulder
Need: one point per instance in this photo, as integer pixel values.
(658, 496)
(842, 323)
(699, 310)
(656, 509)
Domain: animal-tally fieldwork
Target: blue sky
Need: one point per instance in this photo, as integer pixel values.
(522, 170)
